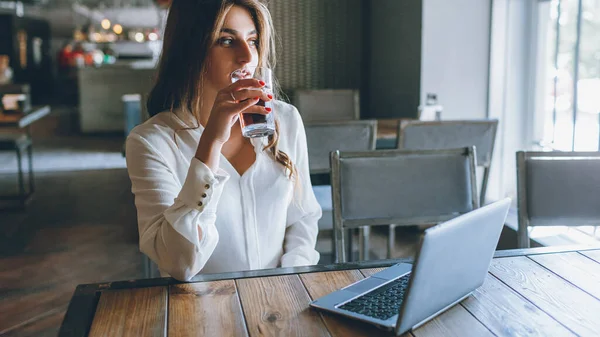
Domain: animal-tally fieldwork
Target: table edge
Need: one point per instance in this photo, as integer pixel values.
(164, 281)
(33, 114)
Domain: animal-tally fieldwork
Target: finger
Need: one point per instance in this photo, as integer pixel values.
(245, 94)
(257, 109)
(243, 105)
(246, 83)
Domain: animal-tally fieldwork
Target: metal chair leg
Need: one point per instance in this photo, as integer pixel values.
(350, 236)
(22, 193)
(484, 183)
(364, 246)
(147, 267)
(523, 236)
(339, 242)
(31, 177)
(154, 273)
(391, 241)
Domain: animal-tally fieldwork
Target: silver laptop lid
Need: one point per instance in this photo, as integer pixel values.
(453, 260)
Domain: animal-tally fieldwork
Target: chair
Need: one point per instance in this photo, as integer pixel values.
(404, 187)
(150, 268)
(429, 135)
(327, 105)
(20, 143)
(324, 137)
(557, 189)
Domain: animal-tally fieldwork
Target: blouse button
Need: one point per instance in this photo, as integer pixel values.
(203, 195)
(200, 203)
(207, 186)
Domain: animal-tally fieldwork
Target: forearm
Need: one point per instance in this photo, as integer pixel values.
(176, 221)
(209, 151)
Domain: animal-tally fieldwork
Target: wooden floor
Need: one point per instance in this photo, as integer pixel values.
(80, 227)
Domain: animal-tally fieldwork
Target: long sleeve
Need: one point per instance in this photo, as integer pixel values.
(304, 211)
(176, 221)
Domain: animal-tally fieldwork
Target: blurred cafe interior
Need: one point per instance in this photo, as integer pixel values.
(518, 81)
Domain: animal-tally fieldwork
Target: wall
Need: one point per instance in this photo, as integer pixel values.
(436, 46)
(455, 62)
(319, 43)
(395, 58)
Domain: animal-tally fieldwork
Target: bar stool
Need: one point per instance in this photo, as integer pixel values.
(20, 143)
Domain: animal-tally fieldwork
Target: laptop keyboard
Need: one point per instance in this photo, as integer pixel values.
(381, 303)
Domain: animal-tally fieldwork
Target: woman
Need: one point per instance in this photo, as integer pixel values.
(208, 199)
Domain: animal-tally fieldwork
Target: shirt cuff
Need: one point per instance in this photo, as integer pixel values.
(201, 185)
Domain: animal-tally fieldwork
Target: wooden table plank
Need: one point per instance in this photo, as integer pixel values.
(205, 309)
(506, 313)
(131, 312)
(321, 284)
(575, 268)
(566, 303)
(457, 321)
(592, 254)
(278, 306)
(371, 271)
(388, 128)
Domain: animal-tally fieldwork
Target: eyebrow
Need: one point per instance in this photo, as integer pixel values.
(235, 32)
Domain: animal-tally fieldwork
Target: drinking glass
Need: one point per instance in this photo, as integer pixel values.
(253, 124)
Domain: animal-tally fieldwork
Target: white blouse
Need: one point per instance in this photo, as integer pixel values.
(261, 219)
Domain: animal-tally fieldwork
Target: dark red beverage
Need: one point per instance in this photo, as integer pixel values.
(250, 118)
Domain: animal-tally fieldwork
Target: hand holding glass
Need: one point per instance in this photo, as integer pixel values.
(253, 124)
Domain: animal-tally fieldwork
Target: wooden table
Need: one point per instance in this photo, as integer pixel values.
(539, 291)
(13, 129)
(24, 120)
(387, 132)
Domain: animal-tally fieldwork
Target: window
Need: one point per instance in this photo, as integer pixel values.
(566, 110)
(570, 78)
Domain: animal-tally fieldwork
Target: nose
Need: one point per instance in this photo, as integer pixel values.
(244, 53)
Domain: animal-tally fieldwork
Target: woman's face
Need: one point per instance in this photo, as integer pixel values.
(236, 47)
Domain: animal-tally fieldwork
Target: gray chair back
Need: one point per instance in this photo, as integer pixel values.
(557, 189)
(324, 137)
(423, 135)
(327, 105)
(403, 187)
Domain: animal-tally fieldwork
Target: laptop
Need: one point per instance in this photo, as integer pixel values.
(452, 261)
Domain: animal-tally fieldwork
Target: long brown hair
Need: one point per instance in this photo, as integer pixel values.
(192, 28)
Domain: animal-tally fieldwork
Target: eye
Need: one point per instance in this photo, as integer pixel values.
(253, 42)
(225, 41)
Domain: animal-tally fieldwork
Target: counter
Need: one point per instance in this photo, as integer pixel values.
(101, 89)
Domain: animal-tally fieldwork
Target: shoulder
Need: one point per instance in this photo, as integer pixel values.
(156, 135)
(157, 129)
